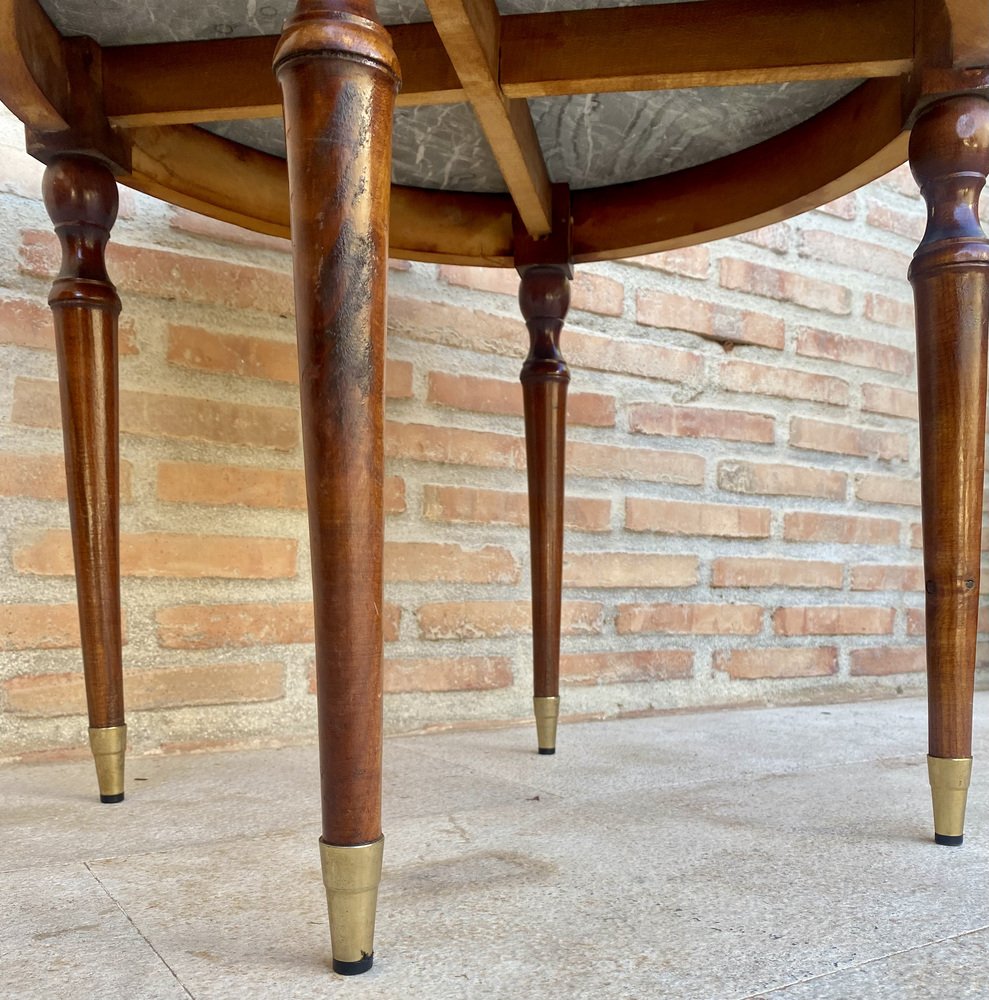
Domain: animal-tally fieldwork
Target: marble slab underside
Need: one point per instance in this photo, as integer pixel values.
(585, 138)
(137, 22)
(588, 140)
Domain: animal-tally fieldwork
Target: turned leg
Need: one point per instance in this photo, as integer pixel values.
(339, 77)
(81, 197)
(544, 297)
(949, 156)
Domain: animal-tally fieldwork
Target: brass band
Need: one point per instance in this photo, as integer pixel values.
(351, 876)
(547, 712)
(109, 745)
(949, 777)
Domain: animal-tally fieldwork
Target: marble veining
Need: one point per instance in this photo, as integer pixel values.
(135, 22)
(588, 140)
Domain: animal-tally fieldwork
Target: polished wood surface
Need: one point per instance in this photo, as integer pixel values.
(847, 145)
(339, 76)
(471, 32)
(949, 155)
(81, 198)
(659, 47)
(544, 298)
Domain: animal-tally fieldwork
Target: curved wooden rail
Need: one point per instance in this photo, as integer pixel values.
(850, 143)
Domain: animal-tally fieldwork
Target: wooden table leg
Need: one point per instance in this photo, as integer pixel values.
(81, 197)
(949, 156)
(339, 77)
(545, 268)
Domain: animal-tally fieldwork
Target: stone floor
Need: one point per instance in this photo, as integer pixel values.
(778, 853)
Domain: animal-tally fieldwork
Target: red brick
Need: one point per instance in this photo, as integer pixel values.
(916, 621)
(158, 554)
(53, 695)
(589, 292)
(691, 619)
(788, 383)
(777, 662)
(38, 626)
(252, 357)
(772, 479)
(775, 237)
(785, 286)
(435, 562)
(909, 225)
(840, 529)
(742, 572)
(722, 324)
(586, 669)
(888, 489)
(846, 620)
(467, 505)
(891, 401)
(871, 576)
(181, 277)
(149, 414)
(29, 324)
(916, 536)
(691, 262)
(454, 445)
(452, 326)
(42, 477)
(257, 357)
(672, 517)
(486, 619)
(628, 569)
(697, 422)
(464, 673)
(889, 312)
(491, 395)
(609, 354)
(901, 181)
(880, 661)
(643, 464)
(854, 351)
(210, 626)
(845, 207)
(843, 250)
(213, 229)
(842, 439)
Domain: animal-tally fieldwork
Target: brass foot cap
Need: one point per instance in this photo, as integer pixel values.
(351, 876)
(949, 777)
(109, 745)
(547, 713)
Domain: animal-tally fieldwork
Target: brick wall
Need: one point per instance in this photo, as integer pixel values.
(743, 512)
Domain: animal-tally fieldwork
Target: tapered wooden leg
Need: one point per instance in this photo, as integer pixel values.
(339, 77)
(544, 297)
(81, 197)
(949, 155)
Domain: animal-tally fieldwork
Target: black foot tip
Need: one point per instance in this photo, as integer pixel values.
(943, 838)
(119, 797)
(353, 968)
(547, 751)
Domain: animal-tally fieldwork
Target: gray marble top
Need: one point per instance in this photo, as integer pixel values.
(588, 140)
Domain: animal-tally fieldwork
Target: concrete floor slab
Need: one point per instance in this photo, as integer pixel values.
(791, 852)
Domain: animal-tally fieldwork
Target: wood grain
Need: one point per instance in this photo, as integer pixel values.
(339, 77)
(544, 298)
(81, 198)
(949, 155)
(471, 32)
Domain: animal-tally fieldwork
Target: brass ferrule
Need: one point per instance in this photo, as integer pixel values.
(949, 777)
(109, 745)
(351, 876)
(547, 712)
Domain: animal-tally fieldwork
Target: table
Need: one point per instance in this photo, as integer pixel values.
(535, 134)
